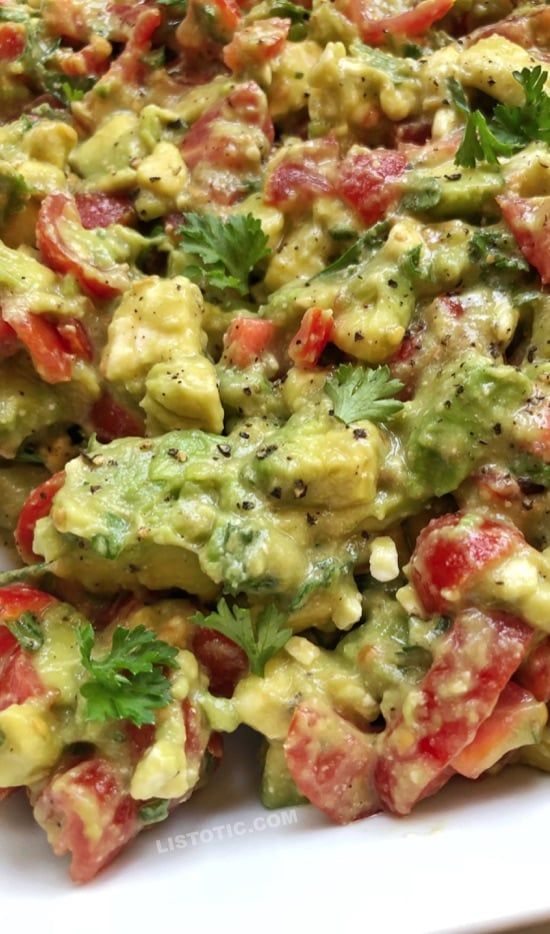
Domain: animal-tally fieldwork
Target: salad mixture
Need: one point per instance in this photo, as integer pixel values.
(274, 402)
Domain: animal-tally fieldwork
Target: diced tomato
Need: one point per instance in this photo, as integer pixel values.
(529, 221)
(415, 22)
(96, 209)
(476, 658)
(517, 718)
(9, 342)
(452, 551)
(228, 137)
(19, 679)
(91, 60)
(312, 337)
(95, 790)
(57, 218)
(36, 506)
(111, 420)
(16, 599)
(256, 43)
(247, 105)
(75, 338)
(224, 661)
(13, 39)
(52, 346)
(300, 177)
(332, 763)
(44, 344)
(246, 339)
(367, 180)
(534, 672)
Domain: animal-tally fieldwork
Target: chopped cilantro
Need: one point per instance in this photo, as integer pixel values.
(260, 639)
(358, 393)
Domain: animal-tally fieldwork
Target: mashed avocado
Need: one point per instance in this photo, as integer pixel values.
(274, 402)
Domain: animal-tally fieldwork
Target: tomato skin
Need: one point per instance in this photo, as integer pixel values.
(449, 555)
(413, 22)
(516, 713)
(529, 222)
(367, 181)
(96, 209)
(534, 673)
(531, 30)
(111, 420)
(256, 43)
(36, 506)
(224, 661)
(246, 339)
(478, 656)
(57, 808)
(13, 40)
(312, 337)
(59, 254)
(332, 763)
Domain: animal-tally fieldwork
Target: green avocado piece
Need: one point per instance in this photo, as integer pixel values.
(13, 192)
(453, 192)
(457, 421)
(278, 789)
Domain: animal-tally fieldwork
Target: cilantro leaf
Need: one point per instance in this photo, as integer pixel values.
(228, 250)
(129, 682)
(496, 249)
(480, 144)
(260, 640)
(531, 120)
(458, 97)
(28, 632)
(511, 128)
(358, 393)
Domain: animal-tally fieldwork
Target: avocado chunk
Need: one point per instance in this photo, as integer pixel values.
(448, 191)
(458, 420)
(278, 789)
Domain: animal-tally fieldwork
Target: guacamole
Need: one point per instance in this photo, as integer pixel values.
(274, 402)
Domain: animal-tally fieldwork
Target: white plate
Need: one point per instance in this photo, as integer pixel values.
(474, 858)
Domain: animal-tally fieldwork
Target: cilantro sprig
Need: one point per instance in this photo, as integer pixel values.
(358, 393)
(129, 682)
(511, 127)
(228, 250)
(260, 640)
(28, 632)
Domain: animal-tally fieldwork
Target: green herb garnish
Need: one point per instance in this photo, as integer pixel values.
(129, 682)
(359, 393)
(260, 640)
